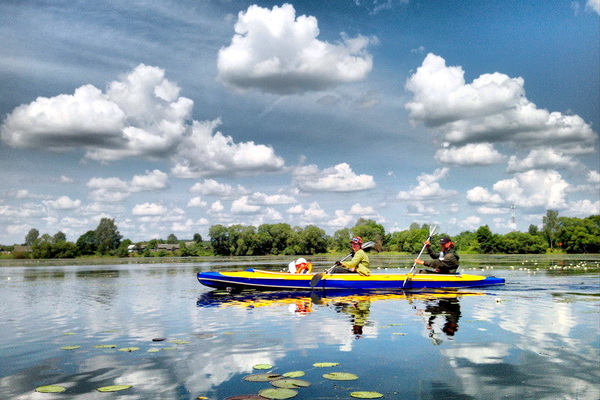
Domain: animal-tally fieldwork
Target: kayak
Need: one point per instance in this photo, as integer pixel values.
(268, 280)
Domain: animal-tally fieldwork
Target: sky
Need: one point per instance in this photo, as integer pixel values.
(171, 117)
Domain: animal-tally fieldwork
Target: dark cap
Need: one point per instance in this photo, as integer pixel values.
(445, 240)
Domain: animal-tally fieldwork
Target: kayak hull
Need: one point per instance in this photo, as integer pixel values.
(266, 280)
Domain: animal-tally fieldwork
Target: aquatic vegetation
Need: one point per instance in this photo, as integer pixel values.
(50, 389)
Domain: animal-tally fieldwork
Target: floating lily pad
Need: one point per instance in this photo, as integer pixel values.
(204, 335)
(294, 374)
(279, 394)
(153, 350)
(246, 397)
(326, 364)
(290, 383)
(69, 333)
(261, 377)
(50, 389)
(129, 349)
(169, 348)
(341, 376)
(366, 395)
(105, 346)
(179, 341)
(263, 366)
(114, 388)
(69, 347)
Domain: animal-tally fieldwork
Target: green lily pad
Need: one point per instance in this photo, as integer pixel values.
(105, 346)
(153, 350)
(261, 377)
(294, 374)
(278, 394)
(114, 388)
(69, 347)
(169, 348)
(69, 333)
(50, 389)
(290, 383)
(326, 364)
(366, 395)
(263, 366)
(129, 349)
(179, 341)
(341, 376)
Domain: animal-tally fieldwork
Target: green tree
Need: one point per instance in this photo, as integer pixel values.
(313, 240)
(59, 237)
(219, 240)
(31, 236)
(341, 239)
(550, 227)
(580, 235)
(108, 237)
(86, 244)
(197, 238)
(488, 242)
(533, 230)
(172, 239)
(368, 229)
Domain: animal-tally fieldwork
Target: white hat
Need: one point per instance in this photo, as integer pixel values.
(301, 261)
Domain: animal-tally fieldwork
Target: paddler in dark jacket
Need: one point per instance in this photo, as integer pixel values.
(444, 262)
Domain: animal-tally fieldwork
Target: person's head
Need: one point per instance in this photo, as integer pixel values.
(356, 243)
(301, 262)
(446, 242)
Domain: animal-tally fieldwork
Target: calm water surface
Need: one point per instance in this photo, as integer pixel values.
(537, 337)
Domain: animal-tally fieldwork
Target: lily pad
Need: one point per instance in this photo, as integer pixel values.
(341, 376)
(294, 374)
(262, 377)
(263, 366)
(153, 350)
(366, 395)
(105, 346)
(179, 341)
(69, 333)
(246, 397)
(114, 388)
(279, 394)
(290, 383)
(69, 347)
(50, 389)
(129, 349)
(326, 364)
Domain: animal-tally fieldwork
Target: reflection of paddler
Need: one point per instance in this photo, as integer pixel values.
(450, 309)
(359, 311)
(303, 307)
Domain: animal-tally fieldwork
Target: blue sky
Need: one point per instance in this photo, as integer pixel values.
(173, 117)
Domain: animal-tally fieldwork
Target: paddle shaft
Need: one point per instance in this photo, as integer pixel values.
(431, 232)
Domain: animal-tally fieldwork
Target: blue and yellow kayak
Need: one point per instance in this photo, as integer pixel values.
(267, 280)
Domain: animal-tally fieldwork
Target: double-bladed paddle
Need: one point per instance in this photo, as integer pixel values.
(432, 230)
(317, 277)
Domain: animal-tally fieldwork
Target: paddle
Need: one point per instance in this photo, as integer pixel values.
(432, 230)
(317, 277)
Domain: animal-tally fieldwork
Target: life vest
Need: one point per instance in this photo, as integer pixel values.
(304, 268)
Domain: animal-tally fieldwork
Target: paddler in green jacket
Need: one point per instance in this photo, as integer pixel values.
(444, 262)
(359, 263)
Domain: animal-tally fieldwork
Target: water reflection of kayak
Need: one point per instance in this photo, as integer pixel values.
(255, 299)
(267, 280)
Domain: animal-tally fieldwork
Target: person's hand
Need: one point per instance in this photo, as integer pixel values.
(420, 262)
(337, 263)
(427, 243)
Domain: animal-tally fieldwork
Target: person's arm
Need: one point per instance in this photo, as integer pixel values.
(352, 264)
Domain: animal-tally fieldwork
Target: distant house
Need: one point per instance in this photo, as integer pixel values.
(136, 248)
(167, 247)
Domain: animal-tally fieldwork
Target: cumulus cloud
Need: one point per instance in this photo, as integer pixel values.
(204, 153)
(111, 190)
(197, 202)
(241, 206)
(339, 178)
(140, 115)
(491, 109)
(428, 187)
(63, 203)
(538, 189)
(276, 199)
(593, 5)
(472, 154)
(275, 51)
(210, 187)
(149, 209)
(545, 158)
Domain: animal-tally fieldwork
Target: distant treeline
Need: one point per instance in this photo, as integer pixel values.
(570, 235)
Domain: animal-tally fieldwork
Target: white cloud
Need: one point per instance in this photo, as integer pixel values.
(428, 187)
(583, 208)
(491, 210)
(277, 52)
(339, 178)
(297, 209)
(480, 195)
(216, 207)
(491, 109)
(545, 158)
(472, 154)
(341, 220)
(153, 180)
(149, 209)
(593, 177)
(593, 5)
(536, 188)
(210, 187)
(197, 202)
(203, 153)
(241, 206)
(140, 115)
(63, 203)
(66, 179)
(313, 214)
(276, 199)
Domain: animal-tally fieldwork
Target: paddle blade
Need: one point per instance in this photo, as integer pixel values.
(316, 279)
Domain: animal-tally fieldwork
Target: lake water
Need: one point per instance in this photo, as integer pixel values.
(537, 337)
